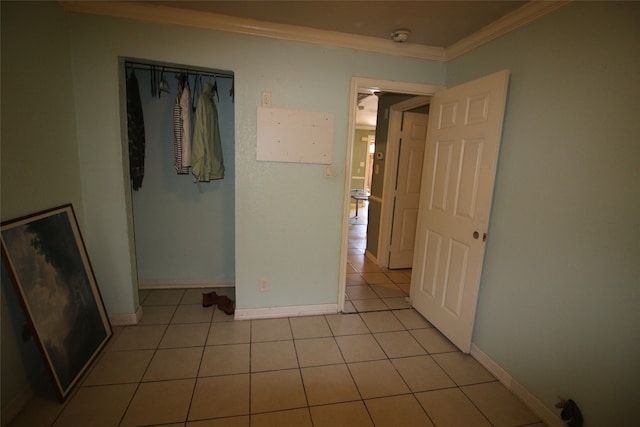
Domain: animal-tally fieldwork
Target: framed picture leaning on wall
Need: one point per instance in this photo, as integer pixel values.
(52, 275)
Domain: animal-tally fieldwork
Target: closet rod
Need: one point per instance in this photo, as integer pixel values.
(172, 69)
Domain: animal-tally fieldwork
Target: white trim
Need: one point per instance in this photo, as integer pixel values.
(390, 172)
(375, 199)
(356, 84)
(183, 284)
(371, 257)
(212, 21)
(125, 319)
(287, 311)
(16, 405)
(520, 17)
(532, 402)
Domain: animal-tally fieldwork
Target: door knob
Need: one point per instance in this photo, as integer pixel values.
(476, 234)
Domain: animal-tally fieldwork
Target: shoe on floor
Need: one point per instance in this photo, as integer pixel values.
(209, 299)
(225, 304)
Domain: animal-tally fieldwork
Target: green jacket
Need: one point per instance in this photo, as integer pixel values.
(206, 152)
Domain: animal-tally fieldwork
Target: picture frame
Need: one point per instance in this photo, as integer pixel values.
(50, 269)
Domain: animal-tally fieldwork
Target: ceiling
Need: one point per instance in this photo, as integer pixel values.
(432, 23)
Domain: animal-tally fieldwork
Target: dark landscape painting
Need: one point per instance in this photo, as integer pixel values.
(54, 280)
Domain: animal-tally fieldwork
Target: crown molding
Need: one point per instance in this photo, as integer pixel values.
(518, 18)
(211, 21)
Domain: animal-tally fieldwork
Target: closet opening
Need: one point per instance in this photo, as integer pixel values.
(182, 190)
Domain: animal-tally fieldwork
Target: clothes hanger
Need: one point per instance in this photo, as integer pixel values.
(197, 78)
(164, 86)
(154, 83)
(215, 88)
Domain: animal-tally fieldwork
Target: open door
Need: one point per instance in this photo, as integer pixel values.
(463, 140)
(407, 189)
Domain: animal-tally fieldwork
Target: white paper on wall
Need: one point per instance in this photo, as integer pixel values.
(295, 136)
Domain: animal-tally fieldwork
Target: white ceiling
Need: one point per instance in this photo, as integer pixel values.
(367, 112)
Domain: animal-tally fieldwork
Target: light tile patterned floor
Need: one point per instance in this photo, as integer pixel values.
(189, 366)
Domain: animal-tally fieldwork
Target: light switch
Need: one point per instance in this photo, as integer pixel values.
(266, 99)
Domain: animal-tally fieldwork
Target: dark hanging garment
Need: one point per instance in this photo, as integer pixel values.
(135, 128)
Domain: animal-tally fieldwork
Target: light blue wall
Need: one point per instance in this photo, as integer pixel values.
(559, 304)
(40, 165)
(288, 217)
(184, 232)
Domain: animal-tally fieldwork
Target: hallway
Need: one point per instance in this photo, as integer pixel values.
(370, 288)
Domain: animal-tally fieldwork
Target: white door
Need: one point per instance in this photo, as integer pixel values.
(463, 140)
(408, 178)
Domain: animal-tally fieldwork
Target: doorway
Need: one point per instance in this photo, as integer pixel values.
(358, 85)
(183, 230)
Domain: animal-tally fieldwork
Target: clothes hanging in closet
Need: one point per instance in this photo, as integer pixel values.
(206, 161)
(135, 130)
(182, 126)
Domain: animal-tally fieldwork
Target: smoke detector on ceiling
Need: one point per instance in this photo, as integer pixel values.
(400, 36)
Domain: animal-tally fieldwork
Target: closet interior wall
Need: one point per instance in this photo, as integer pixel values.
(184, 231)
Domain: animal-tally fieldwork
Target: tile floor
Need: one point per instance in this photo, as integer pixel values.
(368, 287)
(189, 366)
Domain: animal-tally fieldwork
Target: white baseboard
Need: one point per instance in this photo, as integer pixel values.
(287, 311)
(537, 407)
(184, 284)
(17, 404)
(125, 319)
(371, 257)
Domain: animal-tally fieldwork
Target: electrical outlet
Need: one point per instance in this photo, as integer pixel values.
(266, 99)
(264, 284)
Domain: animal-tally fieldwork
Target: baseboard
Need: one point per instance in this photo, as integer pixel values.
(537, 407)
(126, 318)
(287, 311)
(183, 284)
(16, 405)
(371, 257)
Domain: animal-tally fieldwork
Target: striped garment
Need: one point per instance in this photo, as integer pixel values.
(182, 127)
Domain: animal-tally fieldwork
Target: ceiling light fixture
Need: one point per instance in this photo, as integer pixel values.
(400, 36)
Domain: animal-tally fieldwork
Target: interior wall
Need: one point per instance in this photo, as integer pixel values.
(40, 166)
(360, 153)
(285, 213)
(184, 231)
(559, 297)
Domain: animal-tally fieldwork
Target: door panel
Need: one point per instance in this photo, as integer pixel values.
(408, 183)
(463, 140)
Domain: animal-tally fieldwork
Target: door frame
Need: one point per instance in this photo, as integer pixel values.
(391, 172)
(358, 83)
